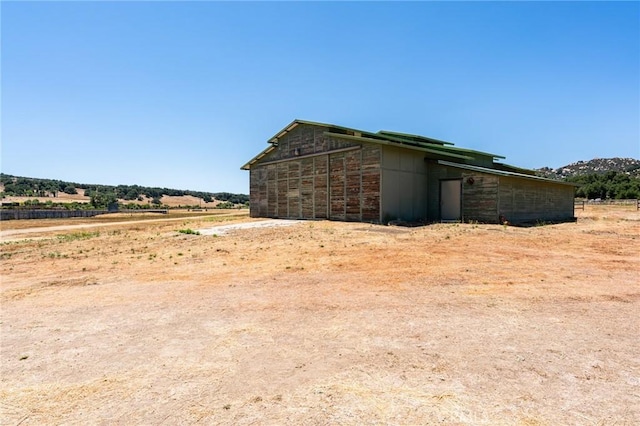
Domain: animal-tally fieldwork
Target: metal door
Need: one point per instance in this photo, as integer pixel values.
(450, 200)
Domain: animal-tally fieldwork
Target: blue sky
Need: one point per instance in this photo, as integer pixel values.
(181, 94)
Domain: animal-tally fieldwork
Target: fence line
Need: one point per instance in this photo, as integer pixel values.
(17, 214)
(581, 204)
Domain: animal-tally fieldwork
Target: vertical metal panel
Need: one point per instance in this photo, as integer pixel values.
(403, 185)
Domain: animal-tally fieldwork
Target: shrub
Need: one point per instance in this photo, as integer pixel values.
(188, 231)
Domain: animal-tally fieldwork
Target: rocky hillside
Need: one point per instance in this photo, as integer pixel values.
(628, 166)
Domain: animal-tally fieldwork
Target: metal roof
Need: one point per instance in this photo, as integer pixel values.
(417, 138)
(502, 172)
(433, 147)
(388, 142)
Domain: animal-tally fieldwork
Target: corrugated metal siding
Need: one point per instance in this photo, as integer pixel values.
(404, 185)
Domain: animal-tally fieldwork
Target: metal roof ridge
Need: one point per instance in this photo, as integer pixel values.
(487, 154)
(443, 144)
(409, 135)
(433, 150)
(385, 134)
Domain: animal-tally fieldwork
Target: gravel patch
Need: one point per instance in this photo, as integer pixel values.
(224, 229)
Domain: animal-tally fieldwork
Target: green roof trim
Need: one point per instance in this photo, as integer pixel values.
(416, 138)
(510, 168)
(472, 151)
(447, 148)
(399, 145)
(405, 141)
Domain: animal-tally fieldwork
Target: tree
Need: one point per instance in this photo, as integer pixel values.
(70, 189)
(131, 194)
(612, 185)
(102, 200)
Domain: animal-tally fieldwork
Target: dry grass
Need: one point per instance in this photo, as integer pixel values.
(322, 323)
(167, 200)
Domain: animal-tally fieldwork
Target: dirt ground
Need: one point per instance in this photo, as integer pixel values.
(321, 323)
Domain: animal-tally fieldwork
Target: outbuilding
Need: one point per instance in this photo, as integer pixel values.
(322, 171)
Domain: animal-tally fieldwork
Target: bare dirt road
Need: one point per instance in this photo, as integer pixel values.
(22, 229)
(323, 323)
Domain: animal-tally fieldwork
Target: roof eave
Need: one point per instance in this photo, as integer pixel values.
(510, 168)
(258, 157)
(414, 137)
(503, 173)
(281, 133)
(297, 121)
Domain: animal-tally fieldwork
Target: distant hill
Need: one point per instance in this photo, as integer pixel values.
(600, 178)
(628, 166)
(51, 189)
